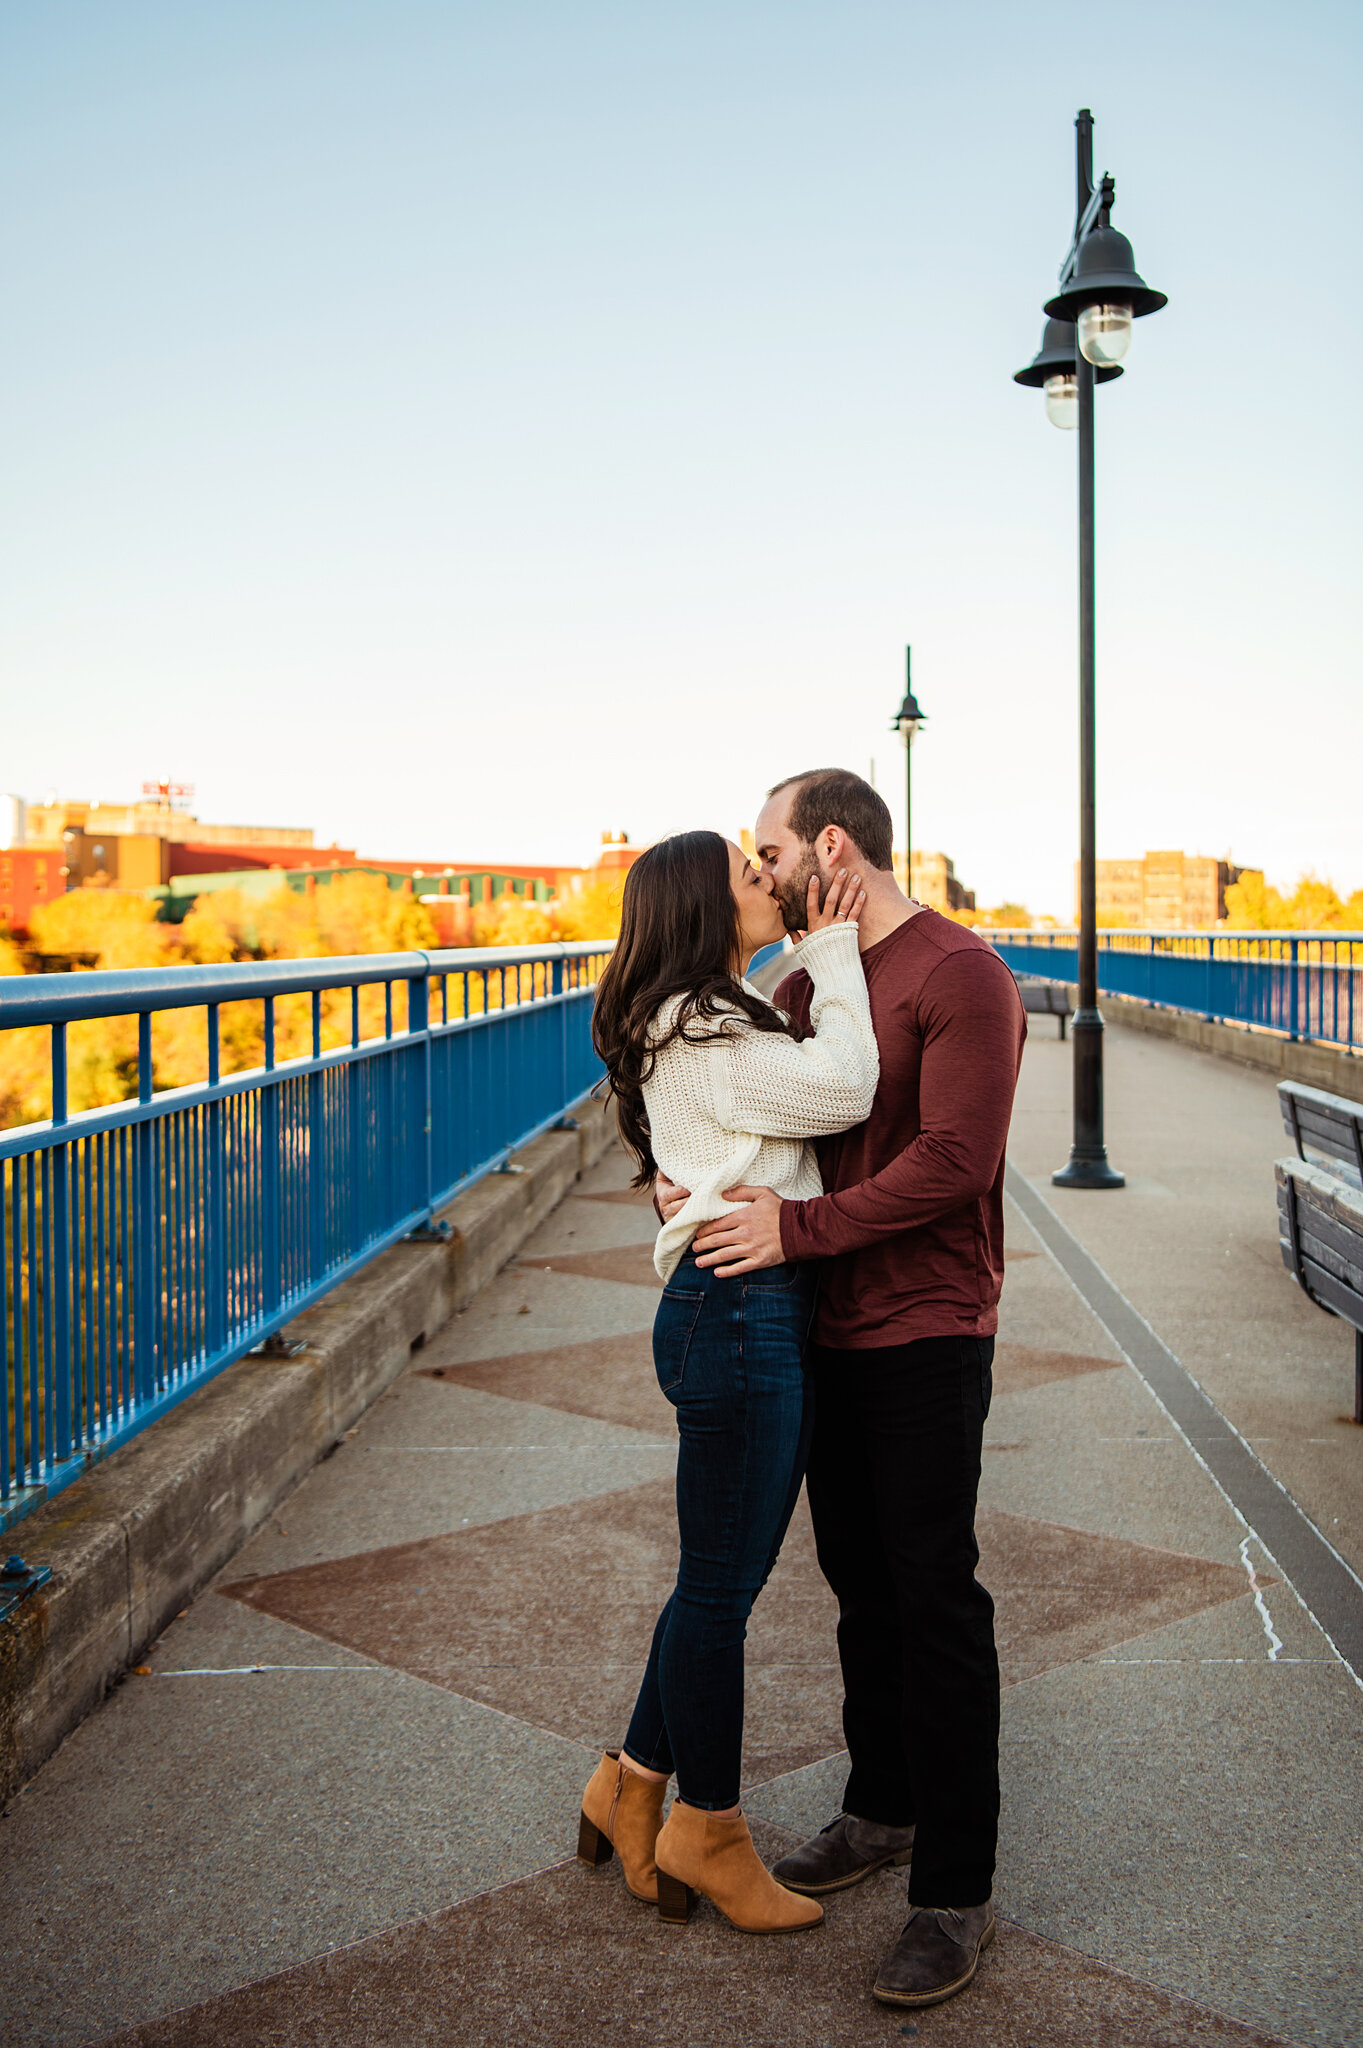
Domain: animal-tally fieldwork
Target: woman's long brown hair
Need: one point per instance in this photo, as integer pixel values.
(679, 936)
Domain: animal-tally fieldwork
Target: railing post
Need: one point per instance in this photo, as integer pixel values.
(354, 1073)
(317, 1165)
(419, 1023)
(1292, 992)
(146, 1229)
(60, 1247)
(271, 1278)
(556, 990)
(216, 1203)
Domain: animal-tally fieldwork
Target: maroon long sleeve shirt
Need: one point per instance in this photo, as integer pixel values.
(910, 1230)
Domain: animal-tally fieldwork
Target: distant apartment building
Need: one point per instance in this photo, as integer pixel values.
(1167, 891)
(144, 845)
(155, 845)
(932, 882)
(151, 818)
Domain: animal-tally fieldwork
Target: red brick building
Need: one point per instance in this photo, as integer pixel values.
(29, 876)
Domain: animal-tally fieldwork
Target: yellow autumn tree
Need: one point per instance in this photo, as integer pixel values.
(112, 927)
(25, 1095)
(593, 911)
(515, 921)
(220, 925)
(1252, 904)
(1003, 917)
(355, 914)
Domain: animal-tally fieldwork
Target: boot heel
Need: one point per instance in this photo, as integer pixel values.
(675, 1900)
(592, 1846)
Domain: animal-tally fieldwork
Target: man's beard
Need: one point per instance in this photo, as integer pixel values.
(793, 894)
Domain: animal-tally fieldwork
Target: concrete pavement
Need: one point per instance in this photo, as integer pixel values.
(341, 1807)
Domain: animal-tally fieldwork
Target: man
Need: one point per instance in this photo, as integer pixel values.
(909, 1235)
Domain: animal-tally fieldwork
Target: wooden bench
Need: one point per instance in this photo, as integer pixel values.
(1320, 1207)
(1045, 999)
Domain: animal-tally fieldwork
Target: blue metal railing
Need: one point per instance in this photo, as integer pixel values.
(145, 1246)
(1297, 984)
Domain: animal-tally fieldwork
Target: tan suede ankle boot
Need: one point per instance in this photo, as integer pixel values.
(696, 1852)
(622, 1812)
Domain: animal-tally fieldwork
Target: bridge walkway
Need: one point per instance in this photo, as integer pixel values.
(340, 1808)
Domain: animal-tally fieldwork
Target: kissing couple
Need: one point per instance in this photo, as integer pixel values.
(828, 1172)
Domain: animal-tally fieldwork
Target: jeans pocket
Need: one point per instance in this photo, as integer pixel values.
(673, 1328)
(774, 1279)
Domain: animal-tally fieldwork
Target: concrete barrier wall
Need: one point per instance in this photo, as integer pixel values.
(135, 1538)
(1319, 1066)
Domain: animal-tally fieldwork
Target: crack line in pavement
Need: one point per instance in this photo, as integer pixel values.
(1275, 1641)
(250, 1670)
(1324, 1582)
(1334, 1663)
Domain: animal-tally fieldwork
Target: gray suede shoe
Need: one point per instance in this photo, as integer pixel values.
(937, 1954)
(845, 1851)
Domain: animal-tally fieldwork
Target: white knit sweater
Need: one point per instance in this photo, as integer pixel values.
(740, 1109)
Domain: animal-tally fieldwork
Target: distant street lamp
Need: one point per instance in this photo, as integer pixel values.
(907, 721)
(1100, 295)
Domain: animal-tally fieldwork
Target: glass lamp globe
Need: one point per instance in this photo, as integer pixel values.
(1062, 401)
(908, 731)
(1104, 334)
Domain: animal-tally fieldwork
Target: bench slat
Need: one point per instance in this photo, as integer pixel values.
(1342, 1165)
(1340, 1168)
(1334, 1133)
(1312, 1118)
(1330, 1293)
(1328, 1198)
(1345, 1268)
(1332, 1121)
(1313, 1222)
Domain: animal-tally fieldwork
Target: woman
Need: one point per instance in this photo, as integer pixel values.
(712, 1086)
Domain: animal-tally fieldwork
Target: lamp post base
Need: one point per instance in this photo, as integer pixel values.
(1088, 1173)
(1088, 1166)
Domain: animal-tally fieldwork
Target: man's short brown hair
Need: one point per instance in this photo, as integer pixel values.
(835, 796)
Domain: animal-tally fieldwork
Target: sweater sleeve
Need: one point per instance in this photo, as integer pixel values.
(777, 1087)
(972, 1039)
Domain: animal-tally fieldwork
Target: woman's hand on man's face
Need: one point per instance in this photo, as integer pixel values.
(842, 905)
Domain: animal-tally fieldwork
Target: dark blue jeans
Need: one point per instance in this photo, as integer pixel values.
(730, 1357)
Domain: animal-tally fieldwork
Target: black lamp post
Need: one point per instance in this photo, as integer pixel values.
(1088, 331)
(907, 721)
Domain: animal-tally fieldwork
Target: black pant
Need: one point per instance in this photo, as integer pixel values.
(894, 1471)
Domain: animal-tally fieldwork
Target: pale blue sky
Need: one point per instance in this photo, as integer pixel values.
(466, 428)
